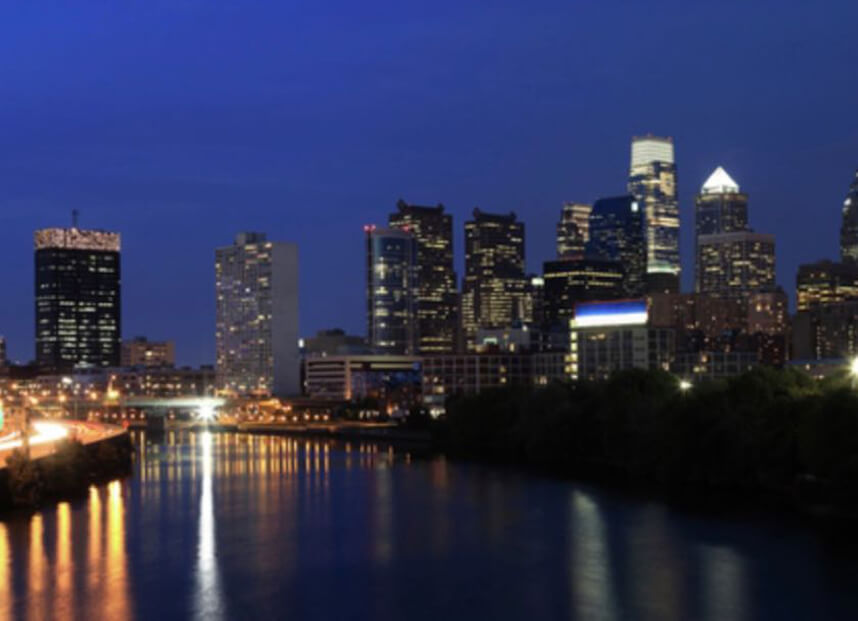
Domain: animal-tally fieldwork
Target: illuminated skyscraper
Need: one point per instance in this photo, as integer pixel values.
(736, 264)
(652, 180)
(78, 319)
(617, 234)
(437, 298)
(849, 226)
(494, 290)
(391, 290)
(573, 230)
(256, 282)
(570, 281)
(826, 282)
(720, 208)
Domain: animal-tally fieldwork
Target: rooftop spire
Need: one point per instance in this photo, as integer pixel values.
(719, 182)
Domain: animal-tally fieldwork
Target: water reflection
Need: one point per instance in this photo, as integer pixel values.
(230, 525)
(208, 604)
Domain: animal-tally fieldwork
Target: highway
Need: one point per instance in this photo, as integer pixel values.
(46, 433)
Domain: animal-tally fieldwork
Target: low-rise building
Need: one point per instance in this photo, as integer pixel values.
(391, 379)
(713, 364)
(141, 352)
(613, 336)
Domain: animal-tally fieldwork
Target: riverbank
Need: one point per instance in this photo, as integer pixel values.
(774, 438)
(67, 471)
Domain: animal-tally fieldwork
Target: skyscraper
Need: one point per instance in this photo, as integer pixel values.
(736, 264)
(617, 234)
(437, 297)
(652, 180)
(78, 319)
(392, 290)
(849, 226)
(494, 286)
(720, 208)
(256, 282)
(582, 279)
(573, 230)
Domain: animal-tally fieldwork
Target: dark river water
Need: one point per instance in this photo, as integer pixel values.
(230, 526)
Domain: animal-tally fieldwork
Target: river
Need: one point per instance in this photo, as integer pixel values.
(232, 526)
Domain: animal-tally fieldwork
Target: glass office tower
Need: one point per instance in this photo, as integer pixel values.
(437, 297)
(652, 180)
(849, 225)
(617, 234)
(391, 290)
(720, 207)
(78, 319)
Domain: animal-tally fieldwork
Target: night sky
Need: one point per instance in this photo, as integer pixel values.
(179, 123)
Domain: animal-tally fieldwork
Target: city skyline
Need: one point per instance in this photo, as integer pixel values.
(183, 183)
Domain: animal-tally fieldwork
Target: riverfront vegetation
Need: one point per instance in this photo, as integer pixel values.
(774, 433)
(67, 473)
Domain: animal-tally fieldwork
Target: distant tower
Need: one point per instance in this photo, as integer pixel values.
(849, 226)
(391, 290)
(720, 208)
(573, 230)
(78, 319)
(617, 234)
(494, 288)
(437, 299)
(256, 283)
(652, 180)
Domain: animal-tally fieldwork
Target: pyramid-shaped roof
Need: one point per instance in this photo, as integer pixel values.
(720, 182)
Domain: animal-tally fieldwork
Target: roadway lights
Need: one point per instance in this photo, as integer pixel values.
(853, 367)
(685, 385)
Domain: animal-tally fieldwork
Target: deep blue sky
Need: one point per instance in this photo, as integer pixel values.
(181, 122)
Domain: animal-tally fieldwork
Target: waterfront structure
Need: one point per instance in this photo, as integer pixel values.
(826, 331)
(392, 379)
(256, 284)
(494, 288)
(569, 281)
(573, 230)
(735, 264)
(826, 282)
(391, 290)
(78, 301)
(437, 296)
(720, 208)
(617, 234)
(652, 180)
(142, 352)
(612, 336)
(849, 224)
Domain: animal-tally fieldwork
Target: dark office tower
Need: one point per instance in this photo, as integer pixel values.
(437, 298)
(494, 284)
(573, 230)
(652, 180)
(582, 279)
(720, 208)
(78, 323)
(849, 226)
(617, 234)
(391, 290)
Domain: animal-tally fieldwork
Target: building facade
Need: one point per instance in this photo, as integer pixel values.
(607, 337)
(391, 290)
(719, 208)
(494, 288)
(736, 264)
(826, 282)
(570, 281)
(141, 352)
(652, 180)
(393, 379)
(617, 234)
(849, 224)
(573, 230)
(78, 301)
(256, 285)
(825, 332)
(437, 296)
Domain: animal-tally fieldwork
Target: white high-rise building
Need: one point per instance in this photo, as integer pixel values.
(652, 180)
(257, 316)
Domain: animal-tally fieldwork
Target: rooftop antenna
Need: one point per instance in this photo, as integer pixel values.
(74, 218)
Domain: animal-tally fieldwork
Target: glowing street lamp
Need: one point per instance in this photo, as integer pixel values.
(685, 386)
(853, 367)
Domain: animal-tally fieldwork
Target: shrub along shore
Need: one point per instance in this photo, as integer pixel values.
(767, 434)
(67, 473)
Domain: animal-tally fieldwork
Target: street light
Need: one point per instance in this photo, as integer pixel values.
(853, 367)
(685, 385)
